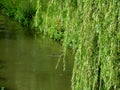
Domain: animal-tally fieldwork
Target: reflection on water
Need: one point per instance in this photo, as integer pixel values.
(29, 64)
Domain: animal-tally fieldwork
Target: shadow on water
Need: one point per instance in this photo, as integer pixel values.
(7, 35)
(2, 64)
(10, 30)
(2, 61)
(5, 32)
(2, 78)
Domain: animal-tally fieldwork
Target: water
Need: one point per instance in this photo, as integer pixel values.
(28, 63)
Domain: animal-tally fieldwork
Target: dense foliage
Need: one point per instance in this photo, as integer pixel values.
(97, 60)
(90, 27)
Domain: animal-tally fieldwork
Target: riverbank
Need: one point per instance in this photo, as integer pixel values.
(90, 28)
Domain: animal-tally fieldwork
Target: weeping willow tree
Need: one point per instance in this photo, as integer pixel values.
(97, 60)
(92, 29)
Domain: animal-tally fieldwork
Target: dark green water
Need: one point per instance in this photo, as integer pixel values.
(27, 63)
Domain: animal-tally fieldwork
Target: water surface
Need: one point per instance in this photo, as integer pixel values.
(28, 63)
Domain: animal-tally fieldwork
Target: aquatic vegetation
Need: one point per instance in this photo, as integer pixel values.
(90, 28)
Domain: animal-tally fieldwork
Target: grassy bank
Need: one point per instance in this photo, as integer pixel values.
(90, 28)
